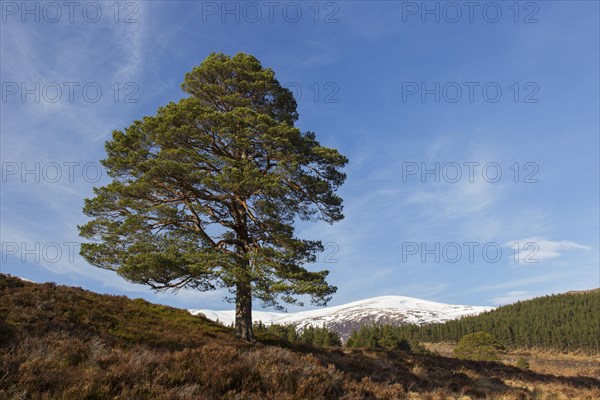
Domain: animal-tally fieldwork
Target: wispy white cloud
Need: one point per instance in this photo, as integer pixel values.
(452, 200)
(131, 44)
(511, 297)
(35, 133)
(536, 249)
(517, 283)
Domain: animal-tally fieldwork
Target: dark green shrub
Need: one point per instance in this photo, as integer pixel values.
(479, 346)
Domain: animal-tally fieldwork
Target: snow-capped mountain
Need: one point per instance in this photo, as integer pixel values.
(344, 319)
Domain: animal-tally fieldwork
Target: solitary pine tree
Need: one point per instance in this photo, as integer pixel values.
(204, 194)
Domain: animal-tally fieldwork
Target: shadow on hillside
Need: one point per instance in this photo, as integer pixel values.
(423, 373)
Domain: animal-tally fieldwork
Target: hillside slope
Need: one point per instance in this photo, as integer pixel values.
(563, 322)
(60, 342)
(344, 319)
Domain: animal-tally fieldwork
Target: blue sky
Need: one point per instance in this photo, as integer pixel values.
(401, 88)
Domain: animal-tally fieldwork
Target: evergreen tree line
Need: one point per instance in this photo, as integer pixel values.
(315, 336)
(565, 322)
(385, 337)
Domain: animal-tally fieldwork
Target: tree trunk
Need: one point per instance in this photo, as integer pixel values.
(243, 296)
(243, 312)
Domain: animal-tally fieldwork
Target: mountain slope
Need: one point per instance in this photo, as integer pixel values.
(344, 319)
(563, 322)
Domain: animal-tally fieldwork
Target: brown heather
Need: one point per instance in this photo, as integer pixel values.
(67, 343)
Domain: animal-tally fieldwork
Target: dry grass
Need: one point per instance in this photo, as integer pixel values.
(541, 361)
(67, 343)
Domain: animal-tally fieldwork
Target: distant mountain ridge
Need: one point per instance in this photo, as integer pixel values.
(344, 319)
